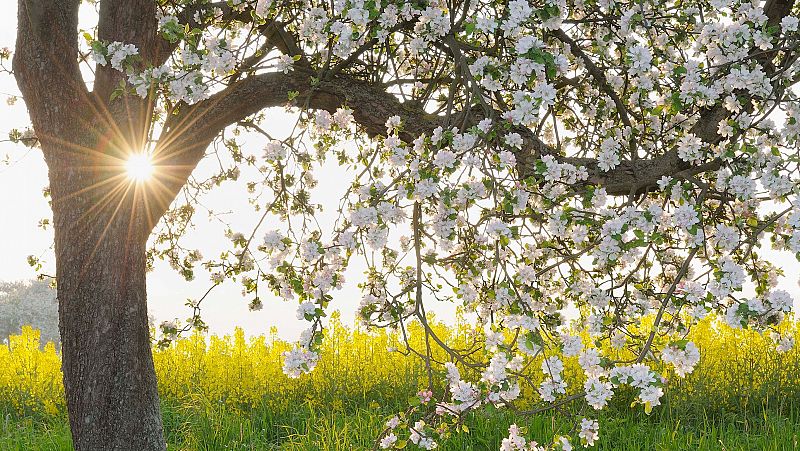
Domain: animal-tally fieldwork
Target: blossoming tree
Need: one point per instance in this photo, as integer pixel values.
(588, 178)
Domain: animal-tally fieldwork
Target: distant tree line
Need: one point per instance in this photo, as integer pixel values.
(29, 302)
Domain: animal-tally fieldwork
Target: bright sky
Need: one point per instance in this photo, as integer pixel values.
(21, 186)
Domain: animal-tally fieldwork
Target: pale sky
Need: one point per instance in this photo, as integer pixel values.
(21, 186)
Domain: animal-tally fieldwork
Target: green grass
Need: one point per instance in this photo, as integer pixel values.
(198, 424)
(738, 398)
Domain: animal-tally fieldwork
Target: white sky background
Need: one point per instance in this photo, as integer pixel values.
(23, 206)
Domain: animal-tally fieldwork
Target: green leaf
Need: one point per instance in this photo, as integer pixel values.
(680, 344)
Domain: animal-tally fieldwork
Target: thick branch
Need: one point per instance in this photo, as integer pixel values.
(192, 130)
(189, 133)
(130, 22)
(46, 64)
(632, 177)
(129, 117)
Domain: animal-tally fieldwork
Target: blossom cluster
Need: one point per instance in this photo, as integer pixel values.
(581, 189)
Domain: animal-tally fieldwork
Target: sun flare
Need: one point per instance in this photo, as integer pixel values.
(139, 167)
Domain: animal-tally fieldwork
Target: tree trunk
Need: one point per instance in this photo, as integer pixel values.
(101, 219)
(109, 378)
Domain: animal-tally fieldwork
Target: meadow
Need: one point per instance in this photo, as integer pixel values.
(229, 393)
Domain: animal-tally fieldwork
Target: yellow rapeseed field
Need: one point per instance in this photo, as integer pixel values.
(355, 365)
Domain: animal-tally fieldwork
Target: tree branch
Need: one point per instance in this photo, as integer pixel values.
(46, 64)
(130, 22)
(598, 75)
(188, 133)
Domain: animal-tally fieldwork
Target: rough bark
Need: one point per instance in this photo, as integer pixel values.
(101, 225)
(109, 379)
(193, 129)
